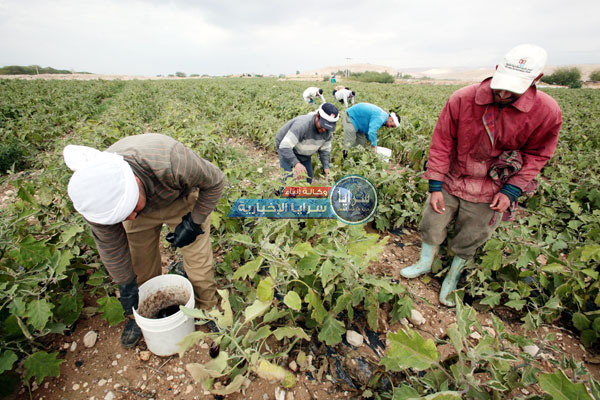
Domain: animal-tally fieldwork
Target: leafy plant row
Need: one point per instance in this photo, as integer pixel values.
(284, 279)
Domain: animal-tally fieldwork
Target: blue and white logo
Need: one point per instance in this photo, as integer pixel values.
(353, 199)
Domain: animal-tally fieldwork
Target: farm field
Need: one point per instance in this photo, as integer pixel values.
(528, 325)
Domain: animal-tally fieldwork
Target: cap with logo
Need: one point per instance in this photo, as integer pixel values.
(521, 65)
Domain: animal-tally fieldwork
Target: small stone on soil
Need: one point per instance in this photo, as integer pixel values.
(293, 366)
(532, 350)
(354, 338)
(89, 340)
(416, 317)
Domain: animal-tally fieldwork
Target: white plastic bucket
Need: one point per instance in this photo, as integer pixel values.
(163, 334)
(384, 153)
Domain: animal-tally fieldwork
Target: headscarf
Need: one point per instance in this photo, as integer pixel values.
(103, 187)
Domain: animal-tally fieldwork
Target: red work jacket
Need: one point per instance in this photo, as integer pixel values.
(462, 150)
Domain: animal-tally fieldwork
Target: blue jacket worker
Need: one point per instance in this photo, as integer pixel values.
(361, 123)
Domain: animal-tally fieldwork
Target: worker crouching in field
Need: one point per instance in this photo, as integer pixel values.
(127, 193)
(303, 136)
(343, 95)
(503, 119)
(311, 93)
(361, 123)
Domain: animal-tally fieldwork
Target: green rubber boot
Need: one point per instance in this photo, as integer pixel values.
(423, 266)
(451, 280)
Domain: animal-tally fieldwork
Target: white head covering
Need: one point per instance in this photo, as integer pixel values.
(395, 119)
(103, 187)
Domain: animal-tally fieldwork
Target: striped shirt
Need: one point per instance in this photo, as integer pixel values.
(168, 171)
(299, 139)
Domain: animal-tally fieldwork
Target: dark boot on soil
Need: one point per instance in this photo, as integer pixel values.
(177, 268)
(131, 334)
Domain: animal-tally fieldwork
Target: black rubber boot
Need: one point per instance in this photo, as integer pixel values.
(129, 297)
(131, 334)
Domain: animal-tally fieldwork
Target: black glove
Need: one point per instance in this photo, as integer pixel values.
(185, 233)
(129, 296)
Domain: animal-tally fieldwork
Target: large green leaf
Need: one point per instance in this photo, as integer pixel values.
(69, 308)
(249, 269)
(293, 301)
(560, 387)
(289, 332)
(264, 291)
(273, 372)
(314, 300)
(409, 350)
(39, 313)
(256, 309)
(70, 232)
(111, 309)
(232, 387)
(308, 264)
(190, 340)
(405, 392)
(41, 364)
(31, 252)
(226, 319)
(7, 359)
(212, 369)
(332, 330)
(303, 249)
(327, 272)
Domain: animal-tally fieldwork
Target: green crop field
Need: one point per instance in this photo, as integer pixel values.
(289, 281)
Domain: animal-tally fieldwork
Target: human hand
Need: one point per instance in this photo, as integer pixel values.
(436, 200)
(185, 233)
(326, 170)
(500, 202)
(375, 149)
(300, 170)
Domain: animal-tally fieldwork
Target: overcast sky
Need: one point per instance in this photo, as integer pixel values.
(219, 37)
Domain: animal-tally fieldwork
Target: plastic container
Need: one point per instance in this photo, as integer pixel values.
(384, 153)
(162, 335)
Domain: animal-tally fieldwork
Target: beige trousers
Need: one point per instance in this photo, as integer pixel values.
(471, 225)
(143, 235)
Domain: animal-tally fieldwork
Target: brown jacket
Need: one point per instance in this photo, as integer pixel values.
(168, 170)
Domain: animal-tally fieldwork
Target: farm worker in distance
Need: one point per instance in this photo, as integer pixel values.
(311, 93)
(361, 123)
(479, 125)
(305, 135)
(127, 192)
(342, 95)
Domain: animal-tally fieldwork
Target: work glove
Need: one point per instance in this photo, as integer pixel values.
(129, 296)
(185, 233)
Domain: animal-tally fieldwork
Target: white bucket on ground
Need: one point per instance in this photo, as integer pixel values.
(384, 153)
(163, 334)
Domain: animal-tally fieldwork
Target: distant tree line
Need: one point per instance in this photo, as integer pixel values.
(33, 70)
(372, 76)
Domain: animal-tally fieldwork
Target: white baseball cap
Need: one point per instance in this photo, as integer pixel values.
(521, 65)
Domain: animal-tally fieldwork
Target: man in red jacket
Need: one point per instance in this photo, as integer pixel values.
(478, 124)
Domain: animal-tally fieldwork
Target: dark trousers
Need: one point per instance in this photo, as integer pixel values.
(289, 168)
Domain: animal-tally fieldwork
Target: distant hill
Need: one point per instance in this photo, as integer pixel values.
(458, 74)
(33, 70)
